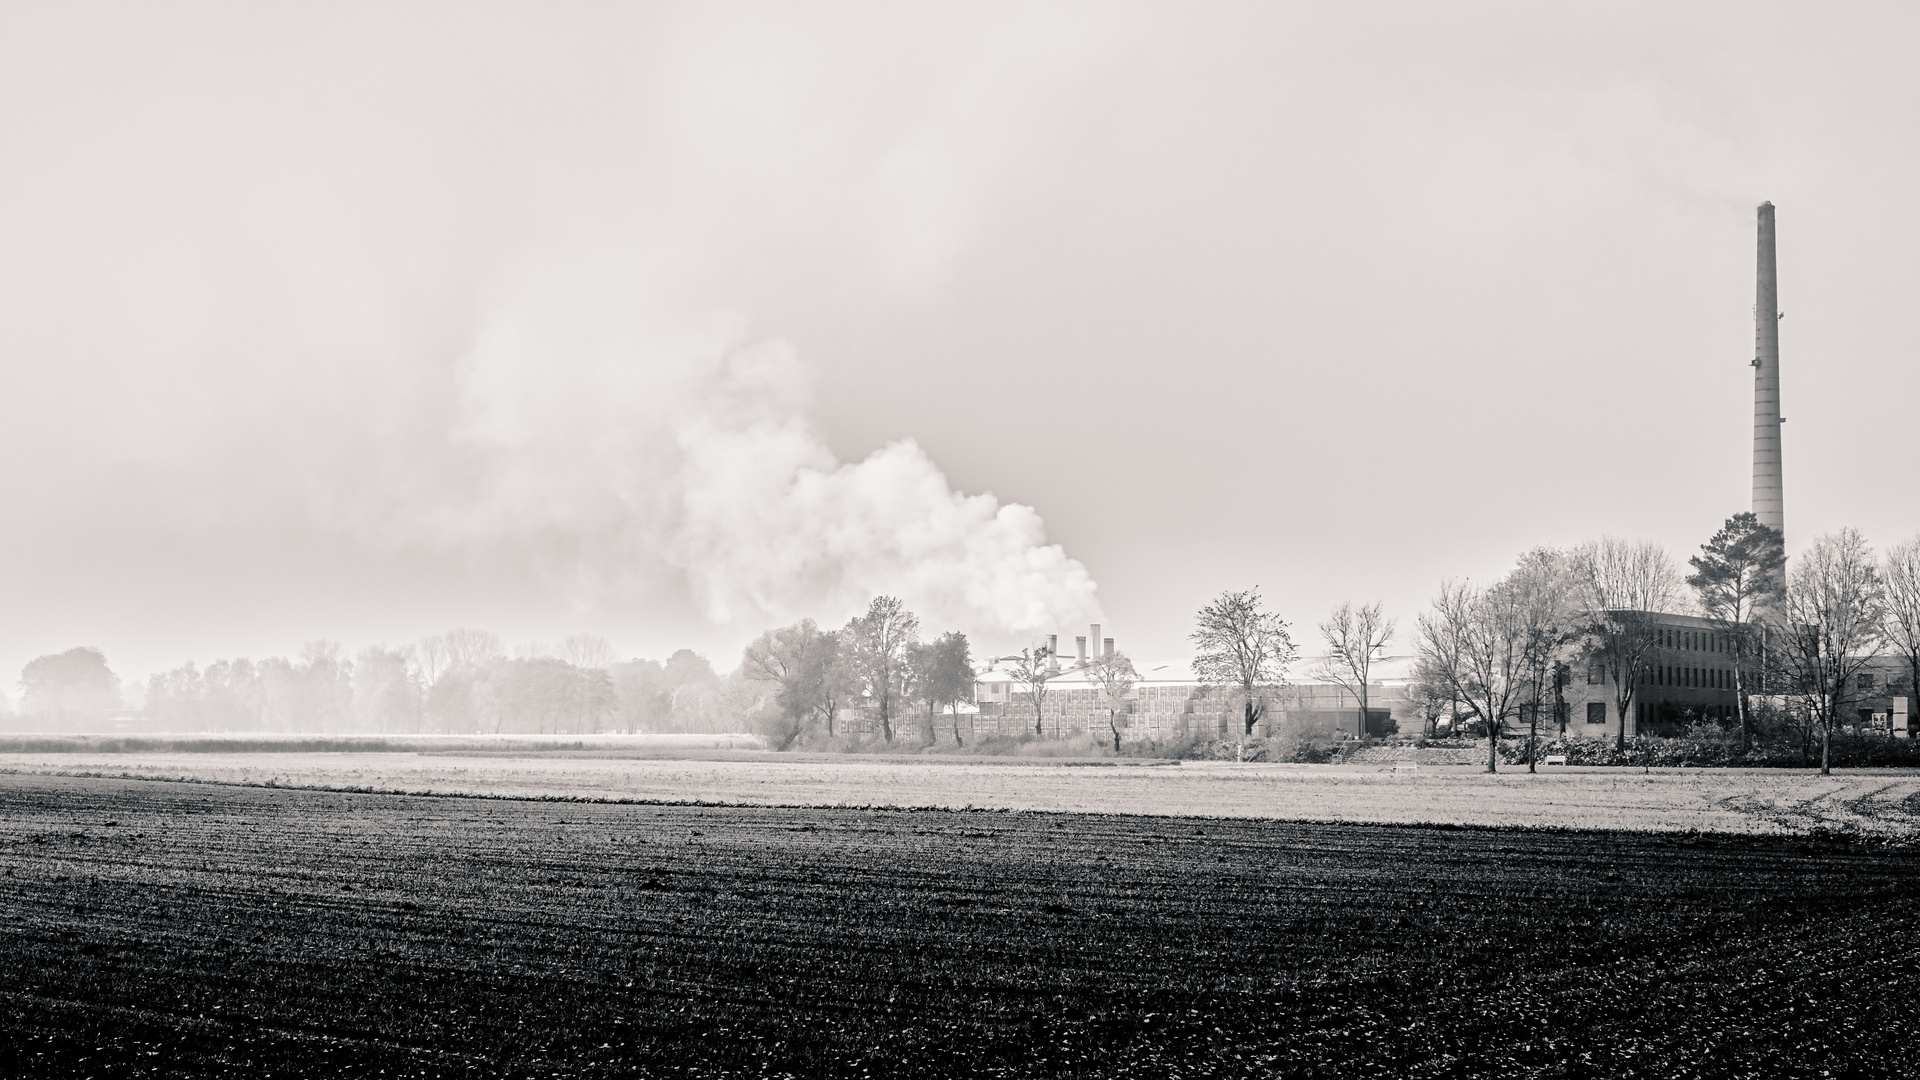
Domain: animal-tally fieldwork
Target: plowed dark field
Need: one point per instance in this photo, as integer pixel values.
(184, 929)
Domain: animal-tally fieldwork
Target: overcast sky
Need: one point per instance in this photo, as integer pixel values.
(667, 322)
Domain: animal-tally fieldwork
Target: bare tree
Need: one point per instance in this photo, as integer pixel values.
(1625, 587)
(1352, 638)
(1471, 640)
(1545, 600)
(1431, 690)
(1738, 575)
(1242, 646)
(472, 648)
(431, 656)
(879, 641)
(588, 651)
(1834, 623)
(386, 695)
(831, 675)
(1112, 677)
(1900, 576)
(1033, 668)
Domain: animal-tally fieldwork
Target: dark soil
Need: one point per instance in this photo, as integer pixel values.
(197, 930)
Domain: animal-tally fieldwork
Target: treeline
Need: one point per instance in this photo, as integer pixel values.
(876, 663)
(791, 681)
(461, 682)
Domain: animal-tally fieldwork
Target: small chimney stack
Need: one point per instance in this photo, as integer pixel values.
(1109, 652)
(1093, 638)
(1053, 651)
(1080, 646)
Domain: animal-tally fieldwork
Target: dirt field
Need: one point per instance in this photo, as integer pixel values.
(187, 929)
(1759, 801)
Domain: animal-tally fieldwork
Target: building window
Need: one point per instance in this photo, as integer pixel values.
(1596, 712)
(1865, 683)
(1596, 673)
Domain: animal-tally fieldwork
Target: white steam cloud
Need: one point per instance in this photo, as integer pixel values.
(292, 352)
(693, 457)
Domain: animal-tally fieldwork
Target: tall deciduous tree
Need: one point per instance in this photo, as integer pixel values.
(1352, 638)
(830, 667)
(789, 659)
(956, 661)
(1033, 669)
(1738, 575)
(1242, 646)
(73, 683)
(879, 641)
(386, 690)
(588, 651)
(1113, 678)
(1900, 576)
(1472, 641)
(1431, 691)
(942, 674)
(1545, 600)
(470, 648)
(642, 699)
(1833, 629)
(1625, 587)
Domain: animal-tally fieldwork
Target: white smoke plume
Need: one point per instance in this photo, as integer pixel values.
(335, 322)
(692, 456)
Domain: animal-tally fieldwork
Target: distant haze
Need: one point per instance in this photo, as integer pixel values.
(670, 323)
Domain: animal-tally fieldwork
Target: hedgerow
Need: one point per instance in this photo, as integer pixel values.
(1711, 747)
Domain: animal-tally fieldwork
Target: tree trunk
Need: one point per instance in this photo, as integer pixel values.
(1533, 735)
(1826, 748)
(1493, 748)
(1039, 720)
(1114, 725)
(957, 740)
(1740, 705)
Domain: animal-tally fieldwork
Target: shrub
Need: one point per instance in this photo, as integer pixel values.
(1709, 746)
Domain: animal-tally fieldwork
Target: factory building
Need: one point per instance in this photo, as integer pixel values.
(1169, 702)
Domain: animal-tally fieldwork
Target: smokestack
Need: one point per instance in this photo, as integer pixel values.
(1768, 501)
(1053, 651)
(1109, 652)
(1093, 637)
(1080, 645)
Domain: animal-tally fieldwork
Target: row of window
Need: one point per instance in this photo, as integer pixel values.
(1709, 678)
(1693, 640)
(1668, 675)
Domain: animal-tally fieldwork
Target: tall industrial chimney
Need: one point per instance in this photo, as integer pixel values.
(1768, 504)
